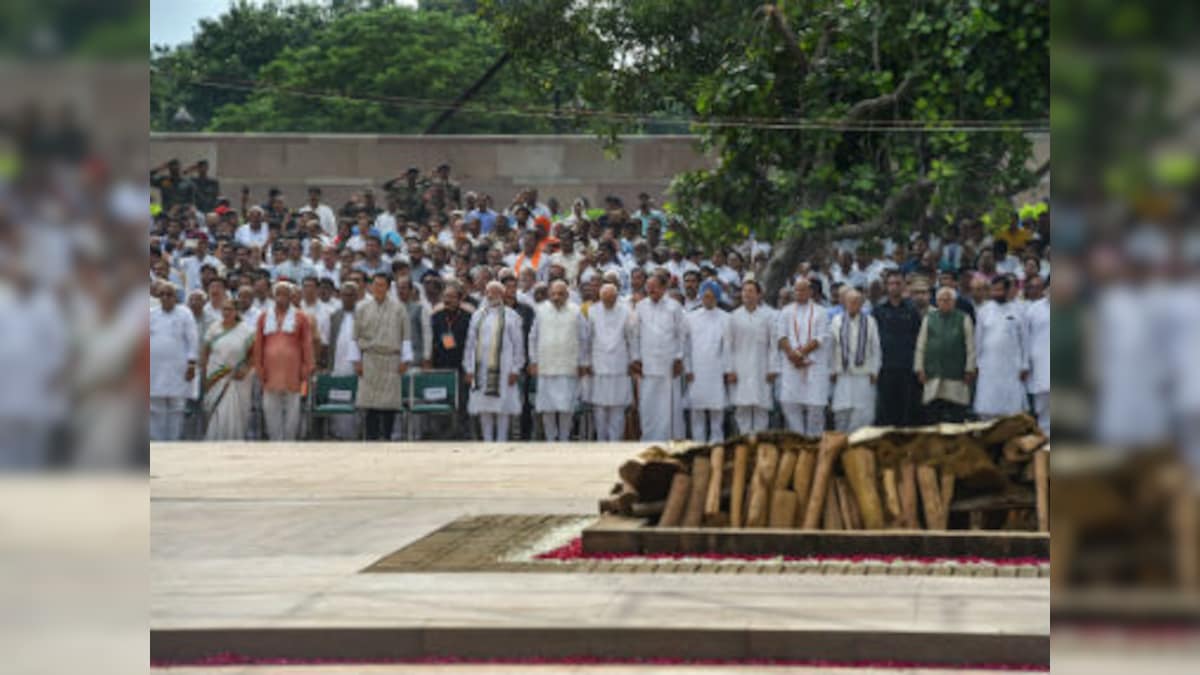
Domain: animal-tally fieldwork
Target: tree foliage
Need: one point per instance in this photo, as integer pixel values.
(366, 66)
(802, 102)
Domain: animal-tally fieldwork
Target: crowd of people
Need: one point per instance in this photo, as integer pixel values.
(578, 323)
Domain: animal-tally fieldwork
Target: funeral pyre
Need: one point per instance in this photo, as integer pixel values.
(976, 475)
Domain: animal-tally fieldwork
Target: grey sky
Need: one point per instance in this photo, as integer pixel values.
(173, 21)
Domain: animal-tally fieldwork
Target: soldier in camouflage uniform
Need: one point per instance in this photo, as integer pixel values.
(408, 191)
(174, 188)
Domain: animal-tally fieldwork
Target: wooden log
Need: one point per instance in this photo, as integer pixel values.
(677, 499)
(851, 518)
(783, 509)
(765, 468)
(806, 461)
(712, 501)
(859, 466)
(946, 486)
(1041, 479)
(832, 444)
(831, 516)
(740, 454)
(699, 490)
(1015, 498)
(891, 495)
(931, 497)
(622, 500)
(786, 471)
(908, 494)
(652, 509)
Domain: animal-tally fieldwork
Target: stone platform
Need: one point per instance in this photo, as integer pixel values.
(260, 549)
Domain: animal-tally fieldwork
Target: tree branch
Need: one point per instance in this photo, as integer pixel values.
(868, 107)
(1042, 170)
(919, 189)
(775, 19)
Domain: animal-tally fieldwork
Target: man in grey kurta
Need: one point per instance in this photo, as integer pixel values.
(381, 328)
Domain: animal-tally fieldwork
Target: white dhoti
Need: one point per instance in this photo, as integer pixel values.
(713, 419)
(853, 402)
(166, 417)
(808, 420)
(661, 408)
(751, 419)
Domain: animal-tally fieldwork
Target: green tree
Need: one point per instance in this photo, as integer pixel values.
(828, 117)
(220, 64)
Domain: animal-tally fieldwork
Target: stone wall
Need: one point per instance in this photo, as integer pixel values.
(560, 166)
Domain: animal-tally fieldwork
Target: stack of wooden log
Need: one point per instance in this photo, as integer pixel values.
(983, 475)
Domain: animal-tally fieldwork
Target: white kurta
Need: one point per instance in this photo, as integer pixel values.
(1001, 354)
(853, 388)
(658, 345)
(345, 355)
(512, 360)
(172, 344)
(799, 324)
(1131, 368)
(755, 355)
(707, 357)
(1037, 328)
(610, 334)
(556, 347)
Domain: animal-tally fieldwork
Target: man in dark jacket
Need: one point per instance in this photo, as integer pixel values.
(448, 327)
(899, 399)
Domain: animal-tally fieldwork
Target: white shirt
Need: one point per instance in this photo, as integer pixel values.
(660, 335)
(609, 333)
(1037, 321)
(799, 324)
(325, 215)
(755, 354)
(173, 344)
(247, 236)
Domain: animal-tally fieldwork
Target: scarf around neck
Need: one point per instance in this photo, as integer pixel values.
(270, 325)
(492, 386)
(860, 346)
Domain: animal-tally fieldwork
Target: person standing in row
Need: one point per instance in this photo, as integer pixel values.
(611, 334)
(343, 354)
(556, 360)
(1037, 319)
(493, 360)
(1001, 348)
(707, 356)
(803, 330)
(898, 322)
(381, 329)
(944, 361)
(283, 357)
(658, 360)
(225, 362)
(755, 364)
(172, 363)
(856, 359)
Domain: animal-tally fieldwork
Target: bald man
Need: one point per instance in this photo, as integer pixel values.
(802, 330)
(856, 361)
(556, 359)
(492, 360)
(611, 334)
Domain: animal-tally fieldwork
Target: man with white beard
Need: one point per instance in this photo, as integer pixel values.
(611, 332)
(856, 362)
(755, 362)
(492, 360)
(658, 359)
(803, 338)
(556, 359)
(1001, 353)
(707, 357)
(1037, 327)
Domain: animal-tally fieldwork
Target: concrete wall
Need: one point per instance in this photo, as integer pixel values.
(559, 166)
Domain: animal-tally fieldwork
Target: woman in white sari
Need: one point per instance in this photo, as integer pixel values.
(225, 360)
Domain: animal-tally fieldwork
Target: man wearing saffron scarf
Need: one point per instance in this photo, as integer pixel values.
(283, 357)
(802, 331)
(945, 360)
(856, 361)
(492, 361)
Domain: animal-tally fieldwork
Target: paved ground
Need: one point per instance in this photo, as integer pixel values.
(275, 536)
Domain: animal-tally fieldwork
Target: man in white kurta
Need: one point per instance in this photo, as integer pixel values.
(493, 357)
(802, 331)
(173, 352)
(344, 354)
(855, 369)
(1037, 327)
(611, 332)
(556, 360)
(658, 357)
(707, 356)
(755, 362)
(1001, 354)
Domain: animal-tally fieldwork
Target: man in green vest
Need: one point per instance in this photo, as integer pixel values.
(945, 360)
